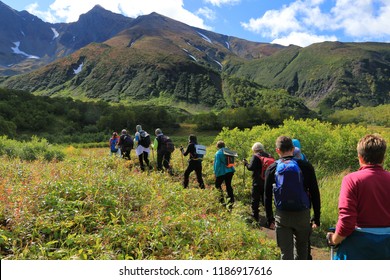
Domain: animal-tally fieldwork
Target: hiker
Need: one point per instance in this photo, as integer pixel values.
(363, 226)
(293, 184)
(113, 143)
(164, 147)
(194, 162)
(126, 144)
(142, 151)
(298, 150)
(223, 173)
(258, 164)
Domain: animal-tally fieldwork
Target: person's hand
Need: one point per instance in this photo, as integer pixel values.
(245, 161)
(272, 226)
(329, 238)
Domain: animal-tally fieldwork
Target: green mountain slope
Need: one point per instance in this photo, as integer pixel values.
(328, 75)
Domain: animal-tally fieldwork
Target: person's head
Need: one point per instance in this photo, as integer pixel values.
(124, 131)
(371, 149)
(192, 139)
(138, 128)
(297, 153)
(114, 134)
(284, 146)
(158, 131)
(257, 147)
(220, 144)
(296, 143)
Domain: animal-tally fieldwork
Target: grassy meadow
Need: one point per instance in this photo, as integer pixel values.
(87, 204)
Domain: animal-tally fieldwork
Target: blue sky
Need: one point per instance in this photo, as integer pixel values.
(299, 22)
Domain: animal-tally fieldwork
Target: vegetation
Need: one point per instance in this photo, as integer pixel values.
(330, 148)
(379, 115)
(329, 76)
(36, 149)
(64, 120)
(93, 206)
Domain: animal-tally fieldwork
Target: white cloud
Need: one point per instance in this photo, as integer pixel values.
(44, 15)
(219, 3)
(363, 18)
(206, 13)
(70, 10)
(274, 22)
(307, 20)
(302, 39)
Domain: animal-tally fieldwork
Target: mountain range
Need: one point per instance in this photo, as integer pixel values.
(152, 58)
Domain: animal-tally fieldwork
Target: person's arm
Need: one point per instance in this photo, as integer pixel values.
(190, 148)
(217, 163)
(254, 164)
(334, 238)
(311, 184)
(268, 189)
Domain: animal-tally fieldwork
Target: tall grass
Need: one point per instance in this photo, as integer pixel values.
(93, 206)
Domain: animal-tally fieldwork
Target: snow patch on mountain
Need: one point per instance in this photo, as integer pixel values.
(220, 65)
(56, 34)
(204, 37)
(16, 50)
(78, 70)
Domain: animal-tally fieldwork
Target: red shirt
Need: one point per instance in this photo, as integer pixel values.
(364, 199)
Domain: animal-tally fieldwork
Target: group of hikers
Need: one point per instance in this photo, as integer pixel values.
(289, 185)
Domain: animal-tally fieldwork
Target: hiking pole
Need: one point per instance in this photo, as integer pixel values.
(328, 236)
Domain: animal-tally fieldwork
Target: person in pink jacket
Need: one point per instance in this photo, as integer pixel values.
(364, 205)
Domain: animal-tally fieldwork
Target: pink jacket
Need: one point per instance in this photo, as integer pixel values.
(364, 199)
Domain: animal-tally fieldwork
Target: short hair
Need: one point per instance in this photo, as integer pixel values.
(257, 147)
(372, 149)
(158, 131)
(192, 138)
(220, 144)
(284, 144)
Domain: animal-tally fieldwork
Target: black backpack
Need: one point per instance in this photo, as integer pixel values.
(127, 141)
(144, 139)
(166, 144)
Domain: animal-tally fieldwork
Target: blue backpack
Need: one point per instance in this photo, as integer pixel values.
(113, 144)
(289, 192)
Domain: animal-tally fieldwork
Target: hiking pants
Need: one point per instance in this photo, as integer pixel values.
(292, 233)
(163, 159)
(143, 157)
(194, 165)
(257, 198)
(227, 178)
(126, 153)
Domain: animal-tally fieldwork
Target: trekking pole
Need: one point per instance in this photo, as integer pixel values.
(332, 229)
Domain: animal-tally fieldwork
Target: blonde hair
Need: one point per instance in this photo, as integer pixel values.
(372, 149)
